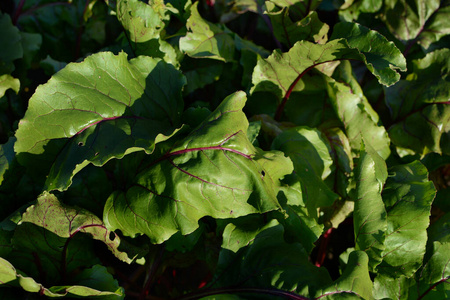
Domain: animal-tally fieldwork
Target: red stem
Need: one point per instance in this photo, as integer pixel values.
(17, 12)
(323, 248)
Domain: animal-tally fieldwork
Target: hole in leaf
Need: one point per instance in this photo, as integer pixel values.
(112, 236)
(80, 144)
(263, 174)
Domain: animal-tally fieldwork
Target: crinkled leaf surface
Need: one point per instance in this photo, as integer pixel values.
(355, 115)
(104, 107)
(106, 286)
(298, 8)
(281, 73)
(420, 106)
(354, 283)
(369, 216)
(407, 19)
(436, 27)
(215, 171)
(270, 262)
(207, 40)
(381, 56)
(309, 151)
(49, 235)
(407, 196)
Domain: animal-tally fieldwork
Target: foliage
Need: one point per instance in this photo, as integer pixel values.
(224, 149)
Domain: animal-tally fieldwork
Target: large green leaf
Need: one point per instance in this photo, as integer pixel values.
(215, 171)
(407, 196)
(103, 108)
(207, 40)
(310, 153)
(369, 216)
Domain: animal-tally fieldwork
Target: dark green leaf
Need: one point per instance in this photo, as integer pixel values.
(10, 39)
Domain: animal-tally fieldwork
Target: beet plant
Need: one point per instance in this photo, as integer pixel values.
(241, 149)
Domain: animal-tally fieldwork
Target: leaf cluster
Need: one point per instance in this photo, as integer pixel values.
(240, 149)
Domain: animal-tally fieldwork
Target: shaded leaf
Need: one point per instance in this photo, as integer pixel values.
(407, 196)
(310, 153)
(369, 216)
(7, 156)
(270, 262)
(107, 99)
(97, 276)
(215, 171)
(407, 19)
(10, 39)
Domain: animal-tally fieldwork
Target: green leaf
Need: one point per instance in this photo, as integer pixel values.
(207, 40)
(436, 27)
(298, 8)
(270, 262)
(8, 82)
(10, 39)
(408, 19)
(420, 106)
(115, 107)
(281, 73)
(290, 31)
(386, 287)
(310, 153)
(369, 216)
(143, 22)
(355, 113)
(354, 283)
(242, 232)
(215, 171)
(382, 57)
(350, 10)
(407, 196)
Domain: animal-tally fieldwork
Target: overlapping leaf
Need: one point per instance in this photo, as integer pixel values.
(290, 31)
(309, 151)
(96, 276)
(408, 20)
(105, 107)
(354, 283)
(407, 196)
(207, 40)
(369, 216)
(11, 43)
(281, 73)
(270, 262)
(355, 115)
(215, 171)
(420, 106)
